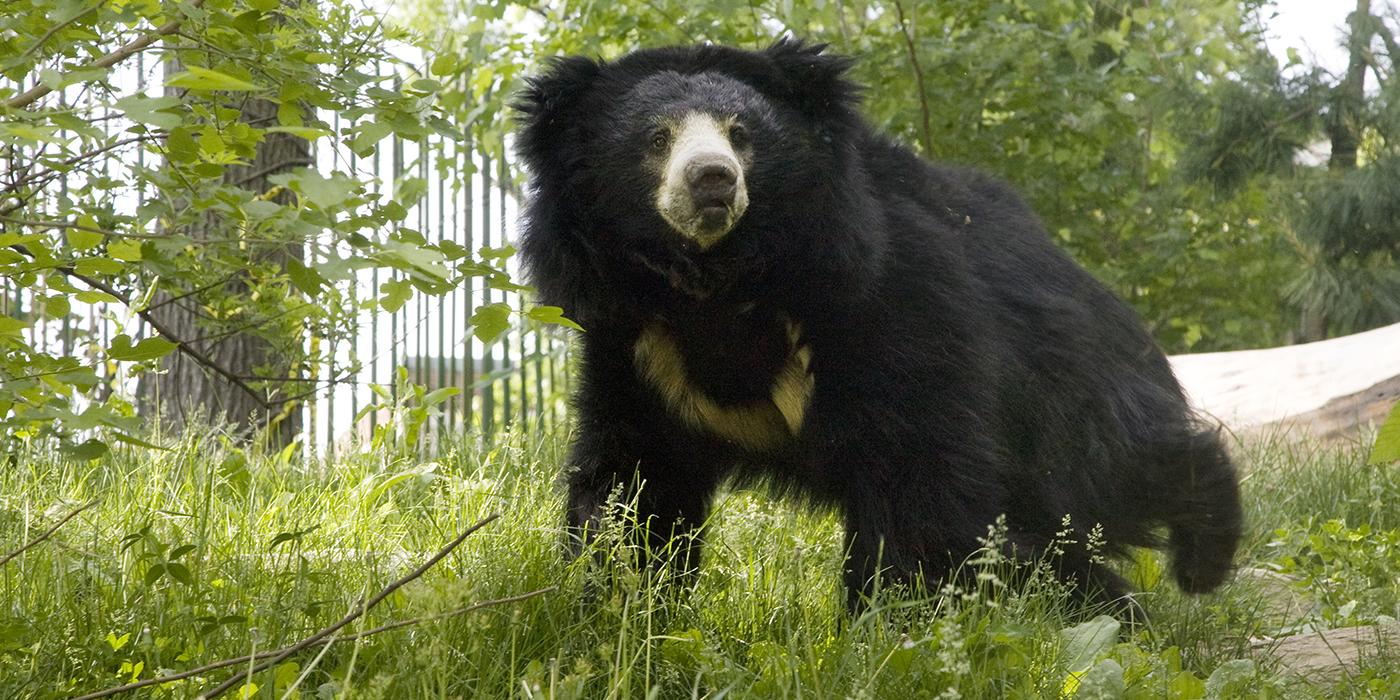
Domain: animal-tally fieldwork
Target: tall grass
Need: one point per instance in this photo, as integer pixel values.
(205, 552)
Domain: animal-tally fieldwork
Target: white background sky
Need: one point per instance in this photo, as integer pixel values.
(1314, 27)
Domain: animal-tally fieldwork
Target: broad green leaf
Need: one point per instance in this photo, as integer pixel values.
(81, 240)
(1387, 447)
(552, 314)
(325, 192)
(117, 642)
(1102, 682)
(150, 110)
(179, 572)
(1229, 678)
(126, 249)
(307, 279)
(1084, 643)
(395, 293)
(90, 267)
(437, 396)
(10, 325)
(490, 321)
(200, 78)
(150, 348)
(88, 450)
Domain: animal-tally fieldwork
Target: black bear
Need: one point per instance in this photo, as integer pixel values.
(773, 292)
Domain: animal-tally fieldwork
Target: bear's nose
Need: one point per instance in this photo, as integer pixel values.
(712, 182)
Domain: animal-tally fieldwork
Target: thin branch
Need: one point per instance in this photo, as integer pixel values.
(273, 652)
(64, 224)
(47, 533)
(16, 185)
(237, 678)
(164, 331)
(130, 49)
(905, 32)
(56, 29)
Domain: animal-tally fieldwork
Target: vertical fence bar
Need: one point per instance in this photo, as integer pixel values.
(488, 361)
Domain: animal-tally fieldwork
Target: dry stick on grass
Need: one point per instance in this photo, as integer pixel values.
(326, 632)
(48, 533)
(348, 638)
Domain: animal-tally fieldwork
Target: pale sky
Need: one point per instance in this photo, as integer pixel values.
(1314, 27)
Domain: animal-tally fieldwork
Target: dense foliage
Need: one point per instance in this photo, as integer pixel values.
(1086, 105)
(156, 161)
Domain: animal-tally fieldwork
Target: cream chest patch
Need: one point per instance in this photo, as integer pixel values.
(760, 425)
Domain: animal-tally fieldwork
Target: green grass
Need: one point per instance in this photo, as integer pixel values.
(204, 552)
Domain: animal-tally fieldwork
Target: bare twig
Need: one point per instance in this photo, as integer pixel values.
(78, 227)
(229, 684)
(130, 49)
(16, 185)
(184, 347)
(47, 533)
(273, 652)
(906, 32)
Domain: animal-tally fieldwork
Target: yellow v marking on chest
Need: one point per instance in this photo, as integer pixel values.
(760, 425)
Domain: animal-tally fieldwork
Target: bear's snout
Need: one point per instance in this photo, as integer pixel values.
(712, 182)
(702, 193)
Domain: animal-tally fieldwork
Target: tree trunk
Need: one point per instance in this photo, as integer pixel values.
(1350, 95)
(184, 390)
(1343, 129)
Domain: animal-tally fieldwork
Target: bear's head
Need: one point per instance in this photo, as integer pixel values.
(678, 158)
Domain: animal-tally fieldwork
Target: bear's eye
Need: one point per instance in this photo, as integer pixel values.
(738, 136)
(660, 139)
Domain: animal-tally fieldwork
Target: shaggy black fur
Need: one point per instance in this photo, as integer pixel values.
(964, 367)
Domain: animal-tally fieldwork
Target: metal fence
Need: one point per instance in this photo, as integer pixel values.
(520, 379)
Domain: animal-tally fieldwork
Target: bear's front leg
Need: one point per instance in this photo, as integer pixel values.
(661, 500)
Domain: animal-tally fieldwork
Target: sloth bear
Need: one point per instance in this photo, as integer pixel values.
(773, 292)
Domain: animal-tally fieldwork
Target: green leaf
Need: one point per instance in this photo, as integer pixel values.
(88, 450)
(395, 294)
(91, 267)
(154, 574)
(552, 314)
(437, 396)
(199, 78)
(307, 279)
(1102, 682)
(128, 250)
(1228, 679)
(325, 192)
(81, 240)
(117, 642)
(310, 133)
(10, 325)
(179, 572)
(1084, 643)
(1387, 448)
(148, 349)
(490, 321)
(289, 114)
(150, 110)
(123, 437)
(443, 64)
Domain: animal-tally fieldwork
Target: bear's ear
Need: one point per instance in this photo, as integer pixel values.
(548, 108)
(814, 80)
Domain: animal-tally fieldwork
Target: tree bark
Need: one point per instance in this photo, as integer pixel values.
(1343, 130)
(183, 391)
(1350, 95)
